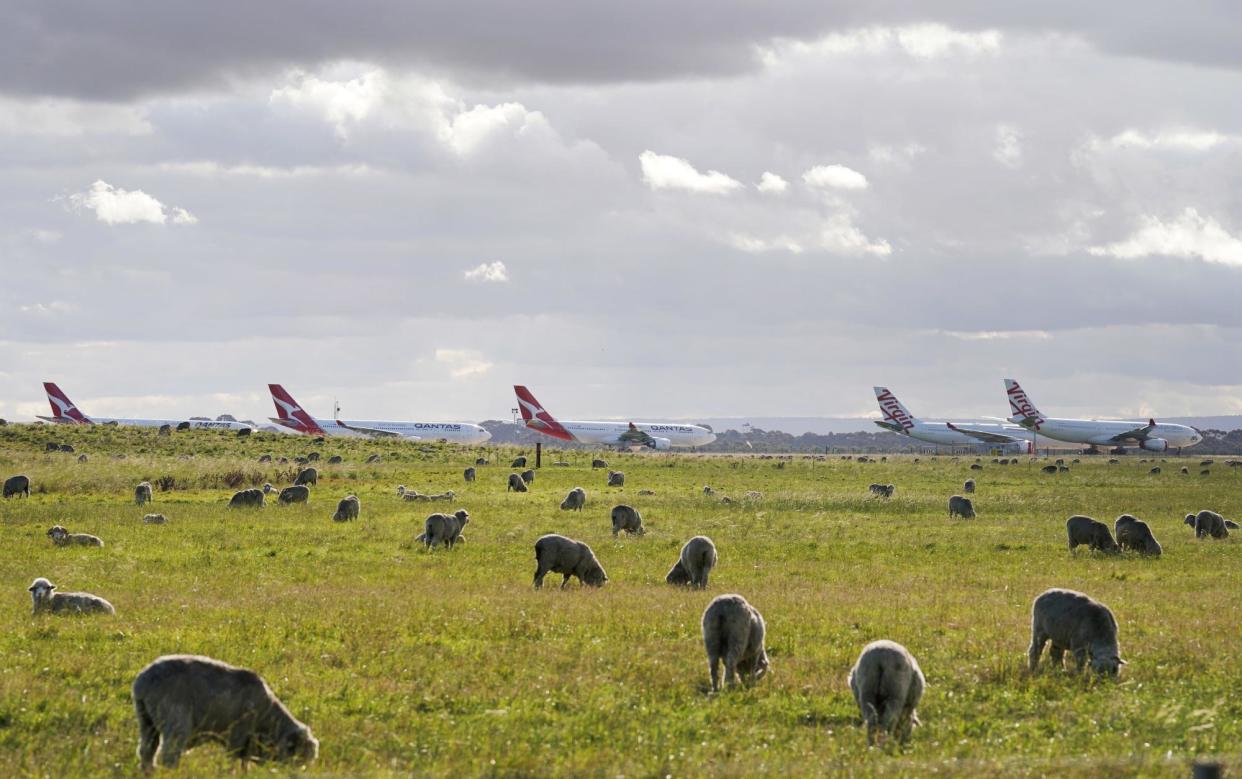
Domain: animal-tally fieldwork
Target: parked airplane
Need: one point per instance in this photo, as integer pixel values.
(899, 420)
(291, 416)
(654, 435)
(64, 412)
(1098, 432)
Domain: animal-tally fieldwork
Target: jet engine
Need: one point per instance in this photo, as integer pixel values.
(1155, 445)
(660, 444)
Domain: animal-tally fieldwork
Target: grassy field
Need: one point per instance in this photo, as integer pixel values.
(449, 663)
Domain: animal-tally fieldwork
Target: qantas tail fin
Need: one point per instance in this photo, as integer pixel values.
(290, 414)
(1021, 409)
(896, 417)
(536, 418)
(63, 409)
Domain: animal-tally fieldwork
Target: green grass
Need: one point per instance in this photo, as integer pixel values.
(450, 664)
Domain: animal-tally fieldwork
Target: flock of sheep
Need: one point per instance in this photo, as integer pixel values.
(182, 700)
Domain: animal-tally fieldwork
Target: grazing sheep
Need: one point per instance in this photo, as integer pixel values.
(887, 684)
(1062, 469)
(307, 476)
(335, 459)
(516, 483)
(82, 458)
(976, 467)
(1205, 463)
(733, 631)
(17, 485)
(444, 529)
(695, 564)
(62, 537)
(1204, 472)
(373, 459)
(708, 491)
(616, 479)
(518, 462)
(1208, 523)
(165, 430)
(67, 448)
(1133, 533)
(1155, 470)
(298, 493)
(252, 498)
(155, 519)
(959, 506)
(267, 458)
(469, 474)
(598, 463)
(1231, 525)
(142, 493)
(646, 492)
(182, 701)
(312, 457)
(628, 519)
(1185, 471)
(1049, 469)
(882, 490)
(1095, 535)
(575, 499)
(1072, 621)
(753, 495)
(528, 476)
(46, 599)
(347, 509)
(480, 461)
(558, 554)
(1114, 461)
(968, 486)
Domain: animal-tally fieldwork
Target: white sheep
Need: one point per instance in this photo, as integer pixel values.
(695, 563)
(1072, 621)
(887, 684)
(62, 537)
(46, 599)
(733, 631)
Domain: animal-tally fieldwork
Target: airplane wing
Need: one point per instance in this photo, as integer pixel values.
(635, 437)
(987, 438)
(891, 426)
(376, 432)
(1137, 434)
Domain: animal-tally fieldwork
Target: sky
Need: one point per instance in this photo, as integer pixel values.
(670, 210)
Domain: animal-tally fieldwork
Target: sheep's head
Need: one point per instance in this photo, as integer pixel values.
(1190, 520)
(298, 745)
(594, 575)
(40, 591)
(1107, 662)
(678, 574)
(462, 515)
(57, 533)
(267, 488)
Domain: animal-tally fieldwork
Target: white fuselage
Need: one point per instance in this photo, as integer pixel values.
(1102, 432)
(452, 432)
(609, 433)
(939, 433)
(196, 424)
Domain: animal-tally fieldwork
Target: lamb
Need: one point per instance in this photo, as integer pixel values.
(1208, 523)
(528, 476)
(142, 493)
(298, 493)
(469, 474)
(695, 564)
(733, 631)
(887, 684)
(959, 506)
(307, 476)
(574, 500)
(969, 486)
(62, 537)
(516, 483)
(628, 519)
(182, 701)
(598, 463)
(252, 498)
(518, 462)
(17, 485)
(1074, 622)
(1085, 530)
(155, 519)
(347, 509)
(1133, 533)
(42, 593)
(558, 554)
(444, 529)
(882, 490)
(616, 479)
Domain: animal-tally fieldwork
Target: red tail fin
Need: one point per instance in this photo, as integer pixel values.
(63, 409)
(291, 414)
(536, 418)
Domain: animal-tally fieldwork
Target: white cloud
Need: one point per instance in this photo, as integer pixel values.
(212, 169)
(922, 41)
(748, 243)
(470, 129)
(70, 118)
(771, 183)
(661, 171)
(488, 271)
(835, 176)
(996, 335)
(340, 103)
(840, 235)
(1187, 235)
(895, 155)
(1008, 148)
(463, 363)
(114, 206)
(1165, 140)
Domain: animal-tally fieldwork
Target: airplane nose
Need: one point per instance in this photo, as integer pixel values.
(486, 435)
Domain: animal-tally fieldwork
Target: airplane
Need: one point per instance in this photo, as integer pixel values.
(1098, 432)
(291, 416)
(653, 435)
(64, 412)
(899, 420)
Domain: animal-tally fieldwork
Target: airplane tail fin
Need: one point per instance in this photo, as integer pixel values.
(1021, 409)
(290, 414)
(896, 417)
(535, 417)
(63, 409)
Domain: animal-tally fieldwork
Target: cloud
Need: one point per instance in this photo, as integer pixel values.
(114, 206)
(1008, 148)
(495, 272)
(920, 41)
(340, 103)
(70, 118)
(754, 245)
(835, 177)
(661, 171)
(1165, 140)
(1188, 235)
(839, 235)
(900, 154)
(463, 363)
(770, 183)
